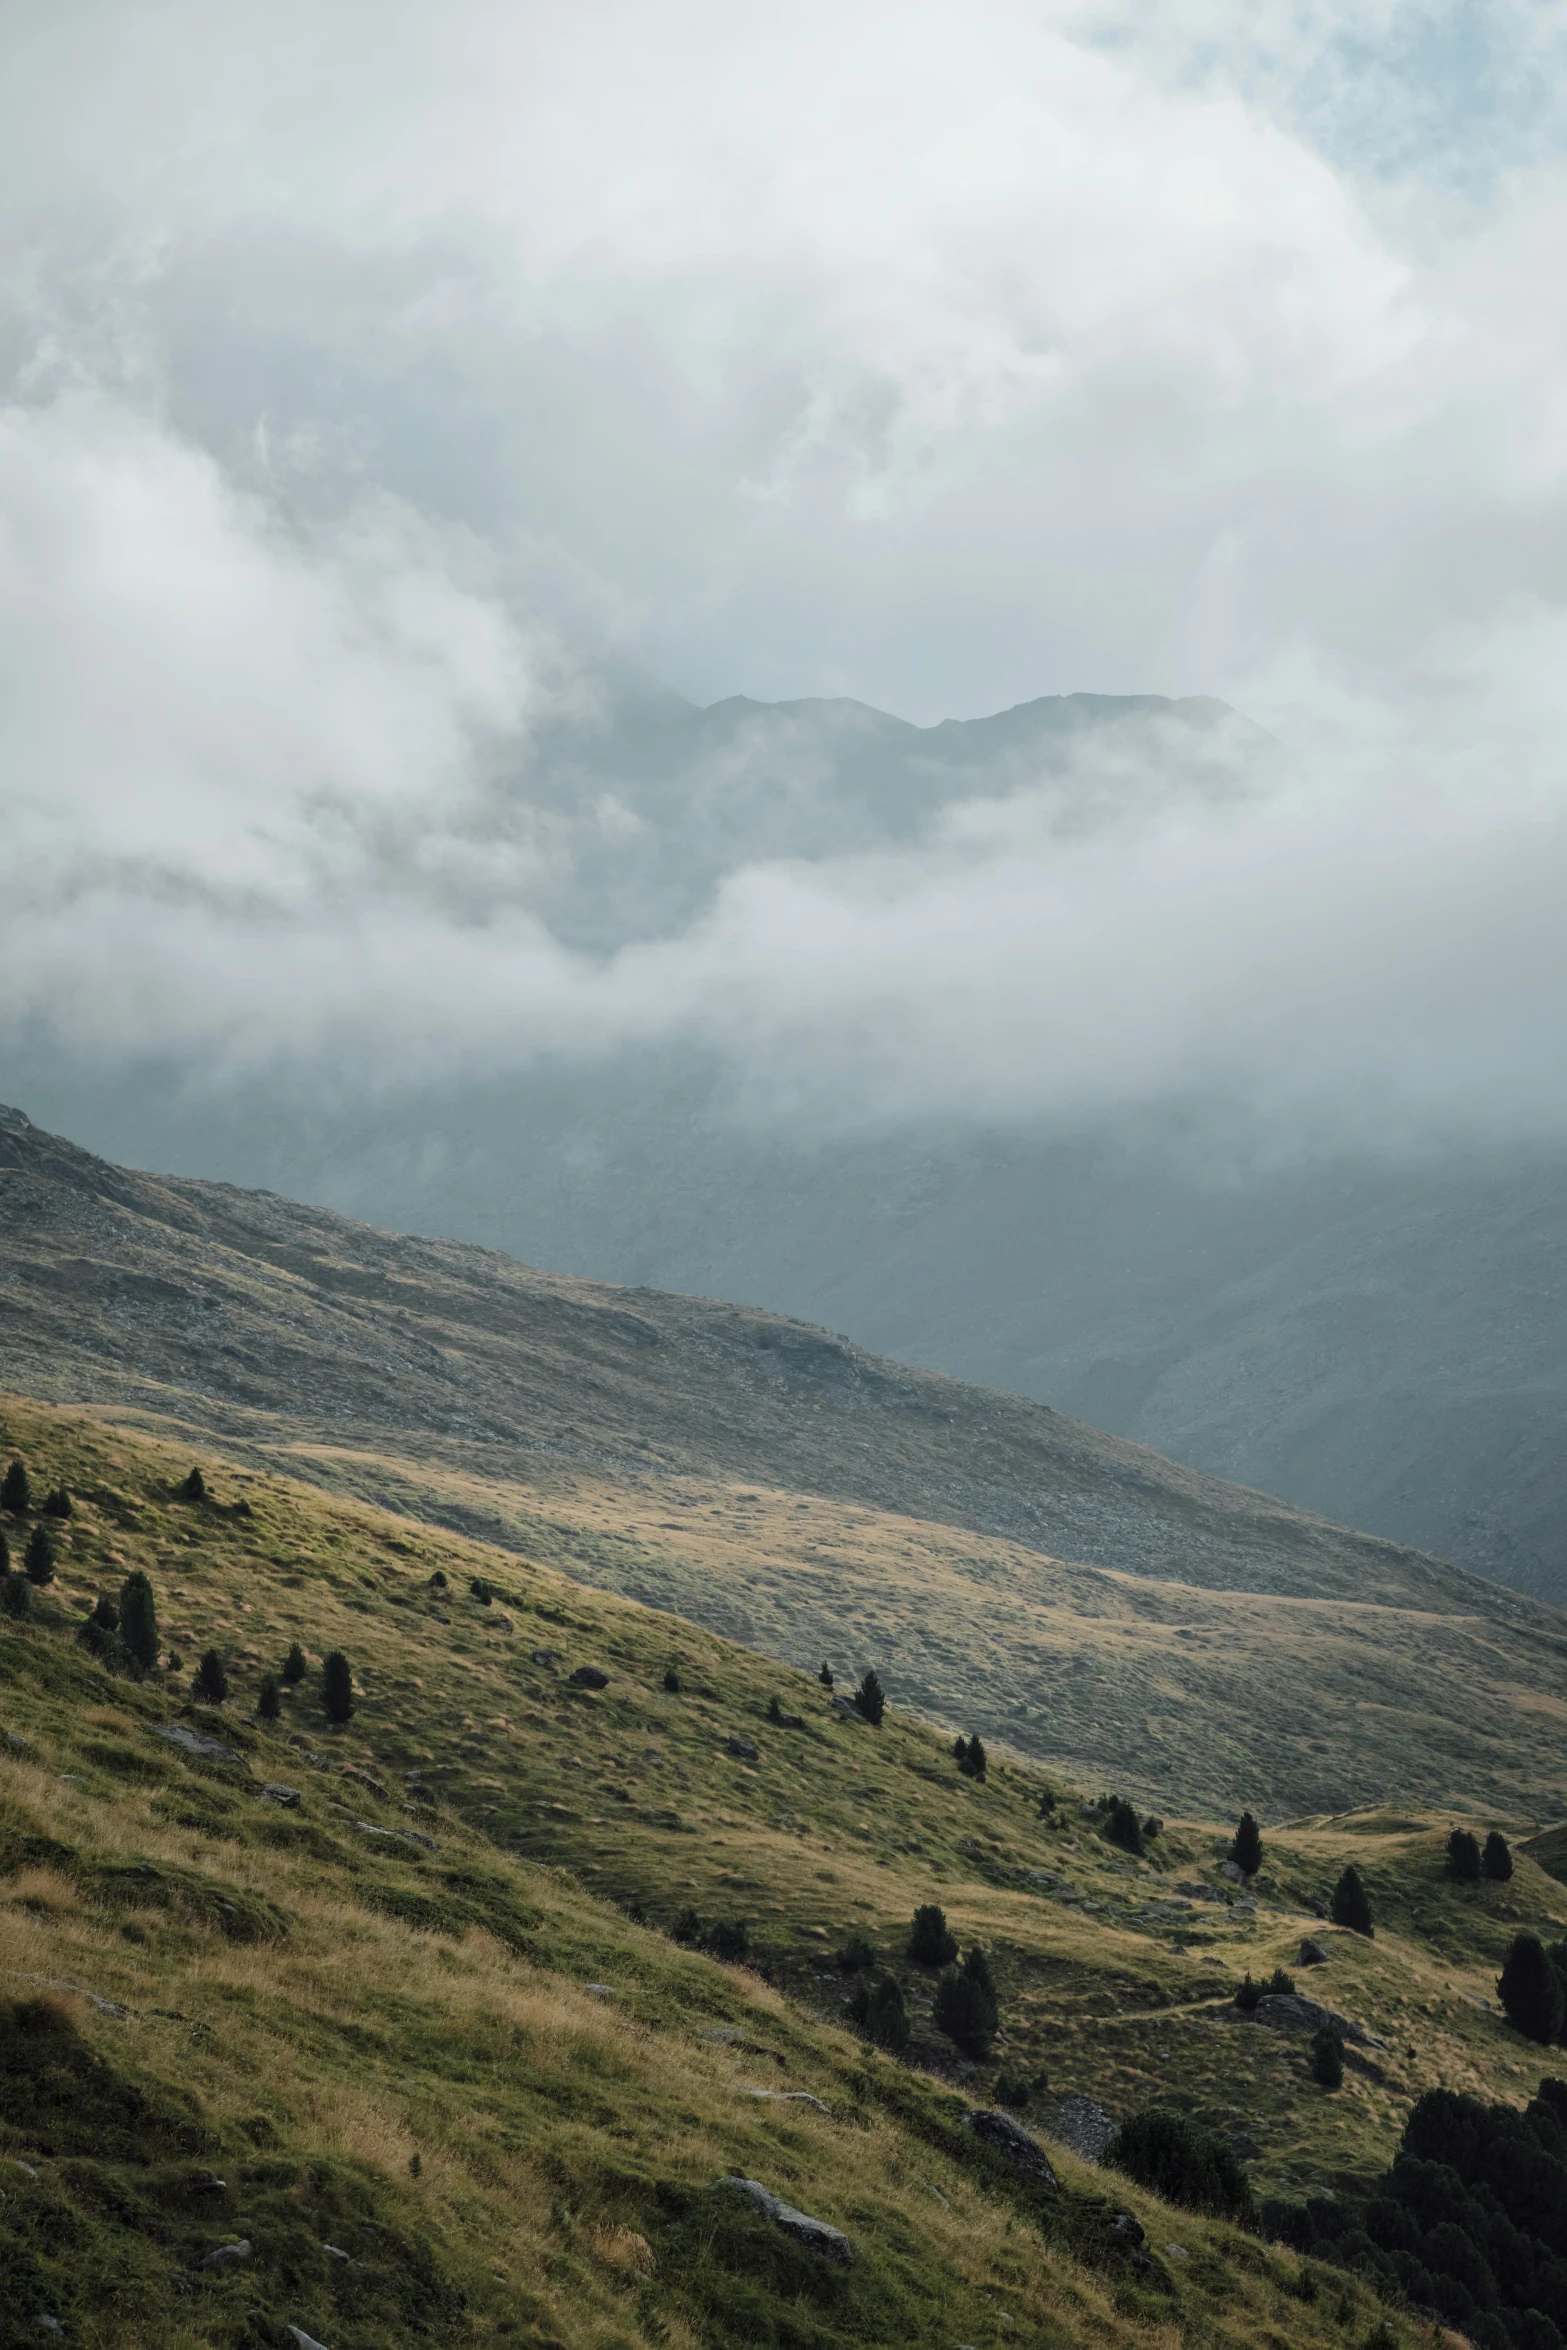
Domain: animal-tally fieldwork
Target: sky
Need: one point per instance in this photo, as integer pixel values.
(376, 382)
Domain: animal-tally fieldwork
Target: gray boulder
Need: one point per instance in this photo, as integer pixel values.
(543, 1656)
(1287, 2011)
(589, 1677)
(814, 2235)
(1128, 2229)
(205, 1749)
(787, 2097)
(227, 2255)
(273, 1792)
(302, 2340)
(1311, 1953)
(1009, 2138)
(1233, 1871)
(742, 1750)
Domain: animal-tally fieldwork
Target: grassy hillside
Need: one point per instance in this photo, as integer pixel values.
(785, 1489)
(416, 2016)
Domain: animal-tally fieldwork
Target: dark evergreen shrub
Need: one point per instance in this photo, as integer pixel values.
(269, 1698)
(1015, 2090)
(337, 1687)
(5, 1555)
(15, 1491)
(106, 1615)
(687, 1927)
(1152, 1826)
(931, 1941)
(1246, 1845)
(1247, 1994)
(1047, 1803)
(294, 1665)
(1463, 1857)
(728, 1939)
(1122, 1825)
(438, 1581)
(1497, 1861)
(877, 2007)
(1350, 1906)
(39, 1558)
(483, 1592)
(1281, 1984)
(58, 1504)
(856, 1954)
(672, 1681)
(16, 1595)
(825, 1676)
(965, 2009)
(1530, 1989)
(960, 1751)
(1177, 2158)
(870, 1699)
(212, 1682)
(195, 1486)
(975, 1762)
(139, 1619)
(1327, 2059)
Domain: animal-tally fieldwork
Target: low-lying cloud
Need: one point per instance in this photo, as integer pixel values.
(375, 378)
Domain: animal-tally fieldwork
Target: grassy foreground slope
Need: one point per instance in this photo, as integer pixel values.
(313, 1997)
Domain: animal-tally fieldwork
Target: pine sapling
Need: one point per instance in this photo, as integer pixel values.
(39, 1561)
(337, 1687)
(212, 1681)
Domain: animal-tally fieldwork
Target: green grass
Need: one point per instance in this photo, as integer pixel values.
(316, 2006)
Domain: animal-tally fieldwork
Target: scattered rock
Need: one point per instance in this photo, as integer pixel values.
(205, 1749)
(16, 1742)
(1177, 2252)
(227, 2255)
(783, 1721)
(788, 2097)
(1311, 1953)
(336, 2252)
(599, 1990)
(544, 1656)
(25, 2168)
(1009, 2137)
(1233, 1871)
(742, 1750)
(104, 2006)
(650, 1754)
(1244, 2148)
(47, 2324)
(1196, 1891)
(1128, 2229)
(397, 1835)
(273, 1792)
(720, 2035)
(846, 1705)
(589, 1677)
(364, 1779)
(814, 2234)
(1085, 2128)
(1287, 2011)
(302, 2340)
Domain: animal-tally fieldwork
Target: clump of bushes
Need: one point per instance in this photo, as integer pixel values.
(1463, 1857)
(195, 1486)
(966, 2010)
(931, 1940)
(1122, 1825)
(16, 1490)
(294, 1666)
(870, 1699)
(1496, 1862)
(856, 1954)
(970, 1757)
(1467, 2224)
(671, 1681)
(877, 2007)
(727, 1938)
(212, 1681)
(1531, 1989)
(1327, 2058)
(38, 1560)
(58, 1504)
(1184, 2162)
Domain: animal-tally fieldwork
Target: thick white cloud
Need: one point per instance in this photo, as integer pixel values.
(940, 355)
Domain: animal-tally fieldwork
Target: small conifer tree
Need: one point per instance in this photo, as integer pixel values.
(825, 1676)
(139, 1619)
(15, 1492)
(931, 1940)
(871, 1699)
(976, 1761)
(1350, 1905)
(1123, 1826)
(1530, 1990)
(337, 1687)
(105, 1615)
(294, 1665)
(964, 2010)
(39, 1560)
(1246, 1845)
(16, 1595)
(59, 1504)
(1327, 2058)
(960, 1751)
(212, 1682)
(672, 1681)
(1463, 1857)
(877, 2007)
(1497, 1861)
(269, 1698)
(195, 1486)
